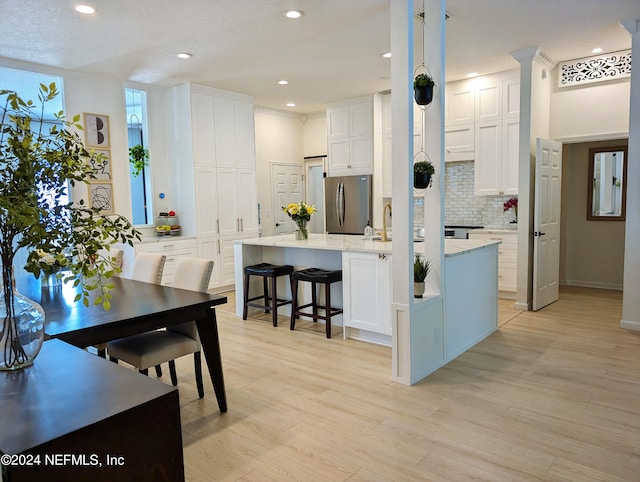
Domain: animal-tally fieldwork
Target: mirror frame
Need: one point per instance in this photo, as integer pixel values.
(623, 210)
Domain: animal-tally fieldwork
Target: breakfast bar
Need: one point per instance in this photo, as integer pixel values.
(366, 291)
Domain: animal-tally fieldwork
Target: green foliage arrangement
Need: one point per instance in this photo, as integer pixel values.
(139, 159)
(36, 163)
(423, 167)
(423, 80)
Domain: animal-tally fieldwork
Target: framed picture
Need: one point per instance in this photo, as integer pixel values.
(96, 130)
(101, 197)
(101, 164)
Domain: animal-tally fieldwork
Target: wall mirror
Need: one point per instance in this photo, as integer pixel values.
(607, 184)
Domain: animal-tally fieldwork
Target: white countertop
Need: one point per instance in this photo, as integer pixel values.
(494, 231)
(339, 242)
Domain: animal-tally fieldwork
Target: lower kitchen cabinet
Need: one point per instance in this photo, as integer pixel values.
(366, 288)
(507, 258)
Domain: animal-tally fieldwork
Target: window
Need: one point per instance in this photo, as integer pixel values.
(139, 170)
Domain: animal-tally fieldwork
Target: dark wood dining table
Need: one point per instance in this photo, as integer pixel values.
(136, 307)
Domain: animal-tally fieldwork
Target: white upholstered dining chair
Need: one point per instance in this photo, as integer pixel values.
(148, 267)
(153, 348)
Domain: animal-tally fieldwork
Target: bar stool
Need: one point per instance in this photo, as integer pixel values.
(271, 303)
(315, 276)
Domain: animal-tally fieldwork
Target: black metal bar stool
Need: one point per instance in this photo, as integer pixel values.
(270, 303)
(315, 276)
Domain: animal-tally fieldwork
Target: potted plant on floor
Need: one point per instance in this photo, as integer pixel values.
(423, 85)
(422, 172)
(421, 267)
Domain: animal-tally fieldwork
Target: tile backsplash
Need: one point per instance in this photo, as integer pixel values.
(462, 206)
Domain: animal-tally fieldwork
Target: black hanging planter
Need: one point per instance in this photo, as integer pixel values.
(423, 94)
(421, 180)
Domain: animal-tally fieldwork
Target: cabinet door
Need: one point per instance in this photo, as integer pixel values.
(510, 156)
(460, 104)
(361, 154)
(459, 143)
(488, 100)
(386, 166)
(245, 136)
(338, 156)
(247, 203)
(203, 133)
(224, 118)
(361, 119)
(511, 99)
(367, 291)
(488, 140)
(209, 248)
(338, 122)
(206, 201)
(229, 219)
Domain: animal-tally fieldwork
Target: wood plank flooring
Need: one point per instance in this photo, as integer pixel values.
(552, 395)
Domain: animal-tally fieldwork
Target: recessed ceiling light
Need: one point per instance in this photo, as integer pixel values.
(472, 74)
(86, 9)
(293, 13)
(283, 82)
(184, 55)
(597, 50)
(386, 55)
(290, 104)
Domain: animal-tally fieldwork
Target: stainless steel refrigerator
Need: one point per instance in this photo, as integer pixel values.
(348, 204)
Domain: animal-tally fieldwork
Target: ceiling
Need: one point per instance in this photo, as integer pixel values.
(333, 52)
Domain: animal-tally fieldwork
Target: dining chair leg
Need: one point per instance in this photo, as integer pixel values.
(144, 372)
(197, 364)
(158, 371)
(172, 373)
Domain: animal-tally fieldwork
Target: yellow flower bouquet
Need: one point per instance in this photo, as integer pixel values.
(301, 214)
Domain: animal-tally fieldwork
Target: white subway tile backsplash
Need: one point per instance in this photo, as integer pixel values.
(463, 207)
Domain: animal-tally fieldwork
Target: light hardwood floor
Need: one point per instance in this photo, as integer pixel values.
(552, 395)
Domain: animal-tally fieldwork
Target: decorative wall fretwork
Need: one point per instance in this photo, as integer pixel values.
(612, 66)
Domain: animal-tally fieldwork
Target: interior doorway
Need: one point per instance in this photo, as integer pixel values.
(287, 187)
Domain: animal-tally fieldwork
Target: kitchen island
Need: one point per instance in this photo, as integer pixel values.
(365, 293)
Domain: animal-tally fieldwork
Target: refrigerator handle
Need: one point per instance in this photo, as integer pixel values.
(339, 204)
(342, 203)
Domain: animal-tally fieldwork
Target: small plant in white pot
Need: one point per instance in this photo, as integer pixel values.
(421, 267)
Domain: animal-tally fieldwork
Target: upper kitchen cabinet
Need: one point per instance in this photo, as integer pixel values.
(351, 128)
(235, 133)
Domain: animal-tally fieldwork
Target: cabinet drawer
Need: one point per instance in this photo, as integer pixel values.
(504, 238)
(165, 245)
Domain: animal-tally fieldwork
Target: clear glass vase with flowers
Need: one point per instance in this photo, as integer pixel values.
(301, 214)
(512, 203)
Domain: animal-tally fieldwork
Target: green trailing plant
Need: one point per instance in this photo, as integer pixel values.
(423, 167)
(36, 165)
(423, 80)
(421, 268)
(139, 159)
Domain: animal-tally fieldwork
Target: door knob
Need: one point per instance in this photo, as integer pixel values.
(538, 233)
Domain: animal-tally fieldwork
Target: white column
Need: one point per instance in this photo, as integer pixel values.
(631, 295)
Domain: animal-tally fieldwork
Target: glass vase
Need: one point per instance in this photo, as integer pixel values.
(302, 232)
(52, 279)
(21, 326)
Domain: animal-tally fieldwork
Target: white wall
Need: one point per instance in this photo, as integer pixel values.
(279, 138)
(597, 111)
(315, 134)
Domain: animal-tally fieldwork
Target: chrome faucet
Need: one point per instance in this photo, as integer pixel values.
(384, 222)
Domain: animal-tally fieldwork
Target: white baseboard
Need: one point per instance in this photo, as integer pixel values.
(521, 306)
(593, 284)
(630, 325)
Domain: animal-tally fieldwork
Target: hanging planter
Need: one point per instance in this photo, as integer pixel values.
(422, 172)
(423, 86)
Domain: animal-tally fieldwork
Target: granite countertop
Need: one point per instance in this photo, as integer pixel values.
(338, 242)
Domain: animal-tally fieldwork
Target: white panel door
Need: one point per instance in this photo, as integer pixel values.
(247, 201)
(229, 220)
(224, 118)
(206, 202)
(286, 187)
(546, 223)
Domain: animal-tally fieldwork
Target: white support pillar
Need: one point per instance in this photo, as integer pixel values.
(631, 294)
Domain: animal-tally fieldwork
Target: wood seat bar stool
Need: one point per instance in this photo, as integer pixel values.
(315, 276)
(269, 303)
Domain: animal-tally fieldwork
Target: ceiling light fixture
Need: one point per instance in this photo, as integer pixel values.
(290, 104)
(184, 55)
(597, 50)
(472, 74)
(283, 82)
(86, 9)
(293, 14)
(386, 55)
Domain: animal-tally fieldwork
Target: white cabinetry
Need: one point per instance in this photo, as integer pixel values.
(459, 120)
(211, 148)
(366, 284)
(173, 248)
(507, 258)
(351, 126)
